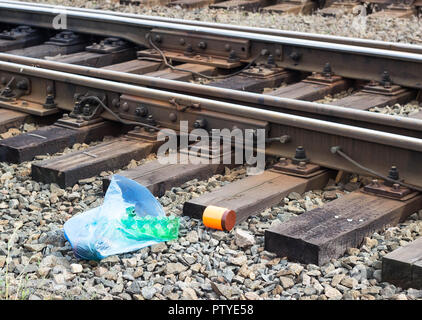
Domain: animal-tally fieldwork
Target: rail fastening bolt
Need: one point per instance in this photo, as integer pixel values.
(375, 183)
(283, 161)
(302, 165)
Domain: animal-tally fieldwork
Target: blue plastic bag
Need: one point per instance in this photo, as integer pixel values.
(95, 234)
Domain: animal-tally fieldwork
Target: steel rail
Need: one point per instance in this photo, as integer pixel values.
(374, 149)
(346, 60)
(143, 23)
(368, 135)
(403, 47)
(237, 96)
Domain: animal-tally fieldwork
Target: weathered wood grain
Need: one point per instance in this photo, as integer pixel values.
(365, 100)
(309, 91)
(159, 177)
(52, 139)
(325, 233)
(135, 66)
(48, 50)
(96, 60)
(252, 194)
(403, 266)
(11, 119)
(255, 84)
(66, 170)
(241, 4)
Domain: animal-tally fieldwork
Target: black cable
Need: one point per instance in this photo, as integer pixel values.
(337, 150)
(7, 85)
(198, 73)
(128, 122)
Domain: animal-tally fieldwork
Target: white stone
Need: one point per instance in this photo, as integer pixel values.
(174, 268)
(286, 282)
(243, 238)
(189, 294)
(192, 236)
(160, 247)
(332, 293)
(239, 260)
(76, 268)
(251, 296)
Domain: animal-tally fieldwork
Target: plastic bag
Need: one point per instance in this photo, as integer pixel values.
(99, 232)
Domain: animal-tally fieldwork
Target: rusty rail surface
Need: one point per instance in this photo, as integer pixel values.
(349, 61)
(103, 100)
(373, 140)
(394, 46)
(376, 149)
(387, 123)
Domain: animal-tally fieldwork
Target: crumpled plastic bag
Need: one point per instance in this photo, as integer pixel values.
(95, 234)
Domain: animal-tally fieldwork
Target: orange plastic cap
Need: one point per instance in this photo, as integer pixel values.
(219, 218)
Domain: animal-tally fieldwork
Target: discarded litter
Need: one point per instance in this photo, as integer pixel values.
(129, 219)
(219, 218)
(142, 228)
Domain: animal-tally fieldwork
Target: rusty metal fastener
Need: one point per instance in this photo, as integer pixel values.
(179, 107)
(386, 80)
(283, 139)
(233, 56)
(270, 60)
(375, 183)
(141, 111)
(301, 165)
(396, 187)
(200, 123)
(393, 173)
(125, 106)
(327, 71)
(283, 161)
(172, 116)
(300, 155)
(295, 56)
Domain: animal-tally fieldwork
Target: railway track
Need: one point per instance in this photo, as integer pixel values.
(132, 76)
(378, 8)
(332, 8)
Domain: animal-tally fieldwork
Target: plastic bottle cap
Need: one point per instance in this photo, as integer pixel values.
(219, 218)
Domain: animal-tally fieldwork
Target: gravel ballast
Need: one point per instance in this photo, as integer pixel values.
(36, 261)
(201, 264)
